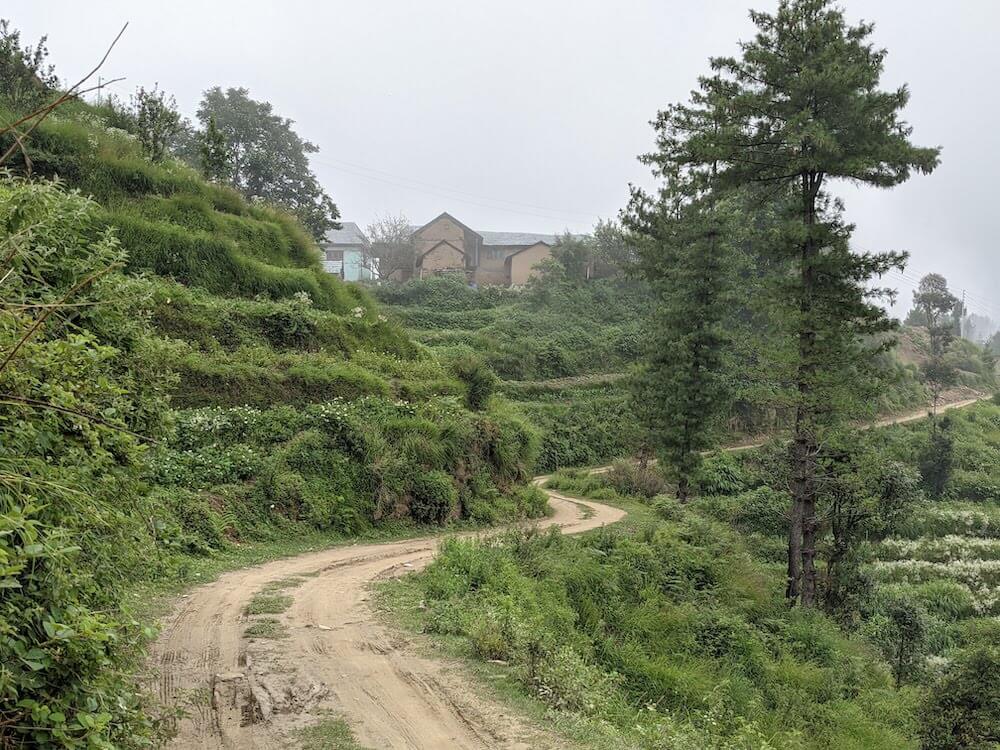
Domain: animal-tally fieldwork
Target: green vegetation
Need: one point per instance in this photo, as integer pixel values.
(266, 627)
(185, 388)
(329, 734)
(77, 393)
(671, 627)
(268, 604)
(561, 350)
(669, 634)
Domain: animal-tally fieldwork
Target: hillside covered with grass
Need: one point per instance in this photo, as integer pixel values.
(565, 353)
(672, 628)
(183, 382)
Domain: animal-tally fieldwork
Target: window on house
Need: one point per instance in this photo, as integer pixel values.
(334, 254)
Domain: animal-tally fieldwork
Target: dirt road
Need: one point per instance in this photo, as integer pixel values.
(250, 693)
(245, 693)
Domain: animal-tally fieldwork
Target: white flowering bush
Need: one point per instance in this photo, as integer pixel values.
(940, 549)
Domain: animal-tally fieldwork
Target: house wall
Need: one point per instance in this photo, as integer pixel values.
(357, 266)
(441, 229)
(522, 265)
(492, 268)
(445, 228)
(444, 257)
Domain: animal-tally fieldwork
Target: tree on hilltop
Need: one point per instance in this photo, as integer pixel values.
(267, 160)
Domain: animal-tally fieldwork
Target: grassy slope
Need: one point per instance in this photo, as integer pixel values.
(564, 354)
(671, 630)
(660, 633)
(560, 352)
(301, 408)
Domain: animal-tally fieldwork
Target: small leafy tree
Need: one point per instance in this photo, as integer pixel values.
(391, 239)
(157, 120)
(572, 259)
(615, 253)
(936, 306)
(26, 78)
(213, 153)
(909, 634)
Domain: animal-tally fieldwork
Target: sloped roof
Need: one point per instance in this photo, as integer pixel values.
(498, 238)
(517, 238)
(521, 250)
(349, 234)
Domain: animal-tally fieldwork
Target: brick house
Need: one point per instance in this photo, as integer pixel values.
(446, 245)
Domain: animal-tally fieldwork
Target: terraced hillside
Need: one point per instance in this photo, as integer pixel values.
(564, 353)
(297, 403)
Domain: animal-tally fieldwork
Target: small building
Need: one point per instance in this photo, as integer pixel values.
(347, 253)
(445, 245)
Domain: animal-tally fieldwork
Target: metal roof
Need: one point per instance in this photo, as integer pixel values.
(506, 238)
(349, 234)
(516, 238)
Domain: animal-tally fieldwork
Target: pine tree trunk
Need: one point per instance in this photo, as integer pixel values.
(802, 528)
(809, 524)
(793, 587)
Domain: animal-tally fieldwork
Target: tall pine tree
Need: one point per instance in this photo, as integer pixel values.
(684, 242)
(801, 107)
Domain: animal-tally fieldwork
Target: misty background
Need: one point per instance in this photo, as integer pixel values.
(528, 116)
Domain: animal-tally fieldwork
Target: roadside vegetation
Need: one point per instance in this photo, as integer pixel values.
(672, 627)
(183, 383)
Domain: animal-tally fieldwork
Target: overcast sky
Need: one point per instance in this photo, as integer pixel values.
(528, 114)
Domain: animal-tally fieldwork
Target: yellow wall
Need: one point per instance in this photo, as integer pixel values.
(443, 257)
(440, 229)
(522, 265)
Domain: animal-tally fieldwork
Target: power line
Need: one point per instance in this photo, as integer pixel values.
(968, 300)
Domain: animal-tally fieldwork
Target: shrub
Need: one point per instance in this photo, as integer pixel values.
(962, 711)
(479, 380)
(566, 682)
(434, 497)
(721, 474)
(630, 478)
(72, 530)
(763, 510)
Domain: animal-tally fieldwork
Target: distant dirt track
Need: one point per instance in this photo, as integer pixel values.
(242, 693)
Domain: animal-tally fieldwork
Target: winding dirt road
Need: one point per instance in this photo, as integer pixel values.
(243, 693)
(250, 693)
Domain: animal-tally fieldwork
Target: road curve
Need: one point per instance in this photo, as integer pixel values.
(239, 693)
(244, 693)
